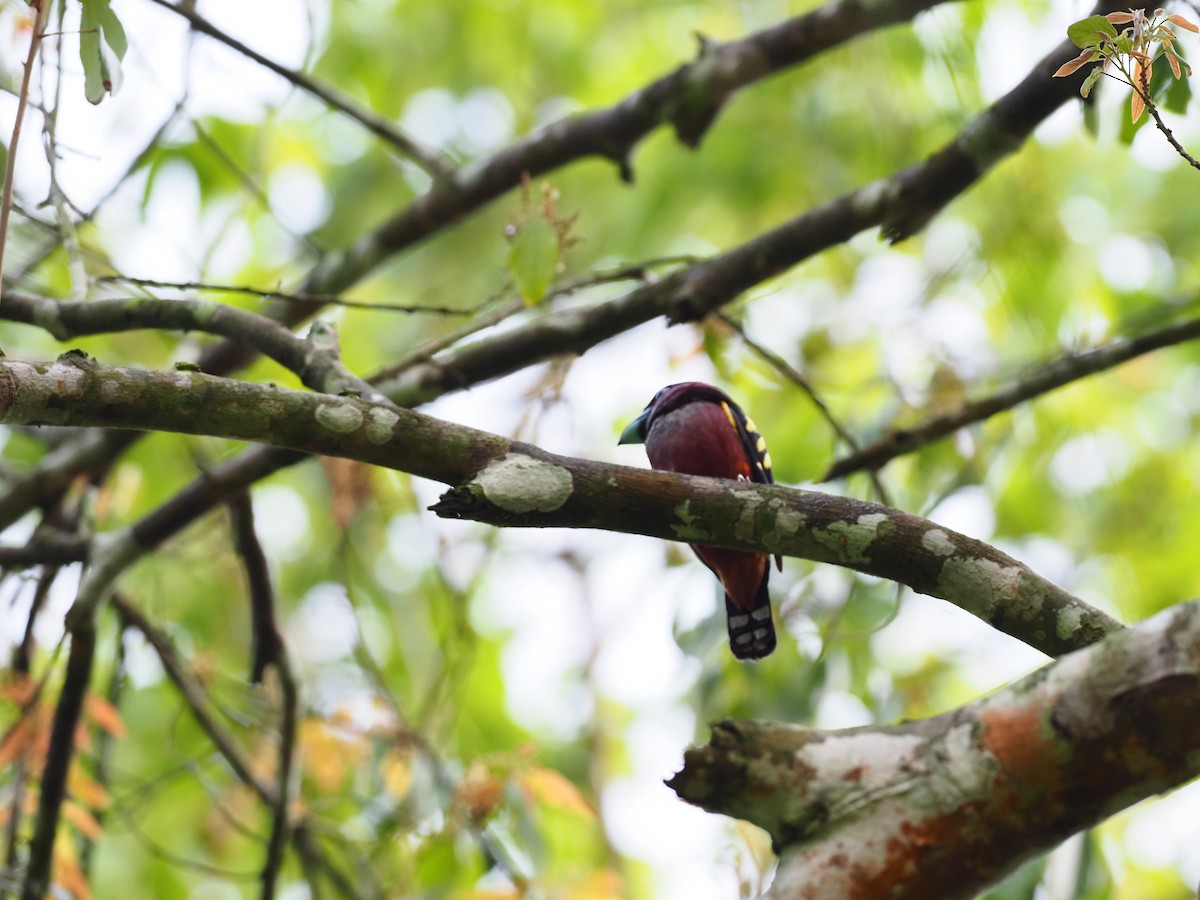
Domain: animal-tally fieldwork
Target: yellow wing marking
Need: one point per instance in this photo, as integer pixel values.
(729, 415)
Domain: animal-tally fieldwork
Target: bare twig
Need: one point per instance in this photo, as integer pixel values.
(193, 694)
(431, 161)
(290, 297)
(35, 41)
(267, 643)
(269, 650)
(1162, 126)
(788, 371)
(1053, 375)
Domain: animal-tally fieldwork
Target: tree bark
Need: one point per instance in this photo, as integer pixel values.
(946, 806)
(508, 483)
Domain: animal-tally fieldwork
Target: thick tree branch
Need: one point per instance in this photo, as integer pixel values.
(1062, 371)
(314, 360)
(508, 483)
(690, 293)
(945, 806)
(689, 99)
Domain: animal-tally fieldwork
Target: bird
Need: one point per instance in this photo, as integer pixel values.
(697, 429)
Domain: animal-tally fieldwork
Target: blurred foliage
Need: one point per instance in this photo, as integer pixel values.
(467, 724)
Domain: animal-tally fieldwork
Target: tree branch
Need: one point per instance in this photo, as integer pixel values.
(431, 161)
(42, 10)
(53, 788)
(687, 294)
(1053, 375)
(313, 359)
(945, 806)
(507, 483)
(197, 703)
(269, 650)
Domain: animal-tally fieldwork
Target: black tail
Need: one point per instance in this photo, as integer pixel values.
(751, 634)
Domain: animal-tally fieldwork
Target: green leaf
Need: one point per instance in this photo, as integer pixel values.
(101, 58)
(1090, 31)
(533, 259)
(114, 31)
(1090, 81)
(1091, 119)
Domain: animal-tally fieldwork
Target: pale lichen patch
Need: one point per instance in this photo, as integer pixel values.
(851, 542)
(960, 770)
(340, 417)
(872, 758)
(743, 528)
(687, 529)
(68, 379)
(521, 484)
(1068, 621)
(381, 424)
(978, 585)
(937, 541)
(788, 521)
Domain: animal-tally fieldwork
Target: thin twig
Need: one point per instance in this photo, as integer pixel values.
(431, 161)
(156, 850)
(252, 188)
(58, 198)
(269, 650)
(1162, 126)
(784, 368)
(193, 694)
(266, 641)
(1053, 375)
(641, 271)
(35, 41)
(296, 297)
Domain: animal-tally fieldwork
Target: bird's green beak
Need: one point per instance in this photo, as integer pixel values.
(635, 431)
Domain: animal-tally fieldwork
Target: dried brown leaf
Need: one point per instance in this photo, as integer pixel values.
(1070, 68)
(105, 715)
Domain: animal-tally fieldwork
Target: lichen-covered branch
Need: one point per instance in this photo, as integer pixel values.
(529, 488)
(945, 806)
(507, 483)
(690, 293)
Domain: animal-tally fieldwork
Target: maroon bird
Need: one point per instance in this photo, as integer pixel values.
(697, 429)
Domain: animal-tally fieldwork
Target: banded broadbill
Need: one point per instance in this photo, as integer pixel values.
(697, 429)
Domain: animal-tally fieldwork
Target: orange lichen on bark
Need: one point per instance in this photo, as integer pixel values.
(1018, 739)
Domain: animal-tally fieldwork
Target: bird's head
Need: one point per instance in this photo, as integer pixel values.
(671, 397)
